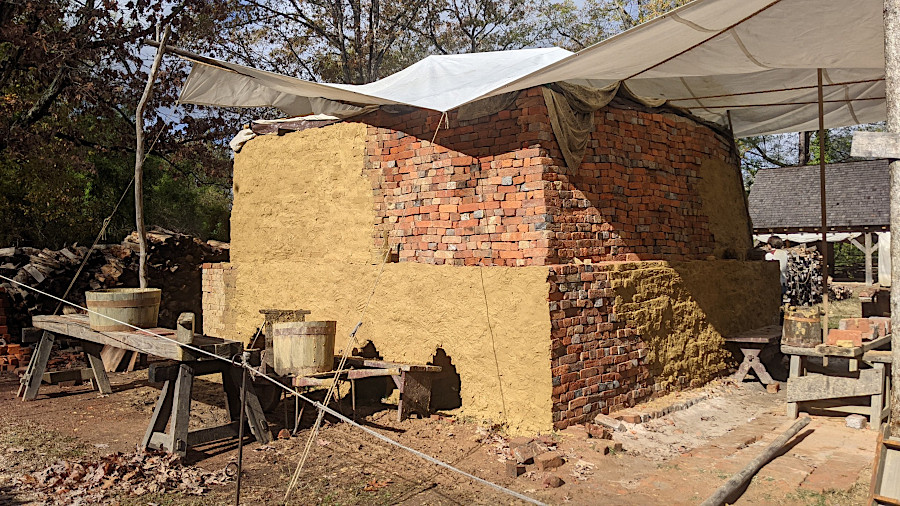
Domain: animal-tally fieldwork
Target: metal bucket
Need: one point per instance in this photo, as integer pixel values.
(137, 306)
(802, 327)
(303, 348)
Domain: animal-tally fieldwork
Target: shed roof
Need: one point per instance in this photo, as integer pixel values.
(788, 197)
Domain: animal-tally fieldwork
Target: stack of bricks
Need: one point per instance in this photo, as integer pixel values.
(597, 361)
(635, 195)
(13, 356)
(496, 191)
(218, 280)
(855, 331)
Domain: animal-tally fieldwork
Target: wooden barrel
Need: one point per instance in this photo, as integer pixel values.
(303, 347)
(802, 327)
(137, 306)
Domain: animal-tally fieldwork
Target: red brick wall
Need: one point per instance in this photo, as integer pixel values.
(474, 197)
(636, 195)
(597, 361)
(495, 191)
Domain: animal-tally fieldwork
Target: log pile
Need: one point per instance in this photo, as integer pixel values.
(804, 283)
(173, 260)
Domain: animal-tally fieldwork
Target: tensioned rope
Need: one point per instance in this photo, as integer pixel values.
(321, 407)
(351, 340)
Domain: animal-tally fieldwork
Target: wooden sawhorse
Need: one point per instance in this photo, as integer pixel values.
(174, 405)
(752, 343)
(840, 392)
(412, 380)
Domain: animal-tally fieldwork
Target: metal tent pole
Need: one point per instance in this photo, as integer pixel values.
(822, 204)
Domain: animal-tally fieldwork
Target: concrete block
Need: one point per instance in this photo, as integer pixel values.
(856, 422)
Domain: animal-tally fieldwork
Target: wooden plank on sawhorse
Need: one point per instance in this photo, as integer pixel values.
(819, 386)
(174, 404)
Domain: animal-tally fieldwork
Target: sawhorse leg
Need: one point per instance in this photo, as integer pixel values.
(751, 361)
(31, 382)
(877, 402)
(101, 380)
(797, 370)
(415, 394)
(256, 419)
(175, 403)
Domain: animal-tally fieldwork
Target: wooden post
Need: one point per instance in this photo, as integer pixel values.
(869, 250)
(184, 329)
(892, 98)
(139, 157)
(822, 205)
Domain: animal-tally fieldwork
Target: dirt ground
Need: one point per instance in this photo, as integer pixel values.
(678, 459)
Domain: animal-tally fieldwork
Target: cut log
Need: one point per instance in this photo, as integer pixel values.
(724, 494)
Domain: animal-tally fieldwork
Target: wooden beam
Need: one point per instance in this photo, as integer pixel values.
(875, 145)
(139, 157)
(819, 386)
(77, 326)
(869, 250)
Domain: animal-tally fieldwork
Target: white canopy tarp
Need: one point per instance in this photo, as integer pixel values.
(752, 63)
(439, 83)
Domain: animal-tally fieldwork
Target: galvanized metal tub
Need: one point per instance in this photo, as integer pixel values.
(135, 306)
(302, 348)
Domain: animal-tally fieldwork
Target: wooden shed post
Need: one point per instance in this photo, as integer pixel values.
(892, 98)
(868, 251)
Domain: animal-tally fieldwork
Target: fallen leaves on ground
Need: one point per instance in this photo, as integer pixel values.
(139, 473)
(374, 485)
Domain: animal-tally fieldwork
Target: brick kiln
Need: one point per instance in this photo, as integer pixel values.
(548, 294)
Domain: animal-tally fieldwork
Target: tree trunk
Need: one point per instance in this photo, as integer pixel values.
(803, 148)
(892, 96)
(139, 158)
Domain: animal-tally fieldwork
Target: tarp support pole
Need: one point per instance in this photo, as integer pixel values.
(822, 202)
(892, 99)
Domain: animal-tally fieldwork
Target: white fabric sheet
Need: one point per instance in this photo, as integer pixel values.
(809, 238)
(440, 83)
(750, 63)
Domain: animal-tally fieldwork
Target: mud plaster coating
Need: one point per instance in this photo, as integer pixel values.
(724, 202)
(682, 310)
(285, 259)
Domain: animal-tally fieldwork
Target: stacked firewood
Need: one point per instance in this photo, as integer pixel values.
(804, 283)
(839, 292)
(173, 261)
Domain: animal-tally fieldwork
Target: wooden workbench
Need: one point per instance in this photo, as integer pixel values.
(77, 327)
(174, 404)
(835, 391)
(413, 380)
